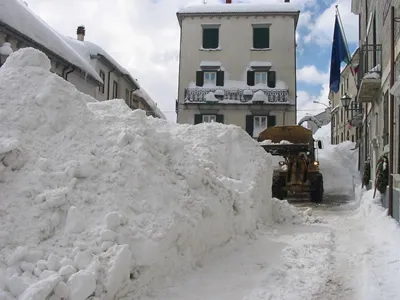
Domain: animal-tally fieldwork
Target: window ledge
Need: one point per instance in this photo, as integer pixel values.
(216, 49)
(260, 49)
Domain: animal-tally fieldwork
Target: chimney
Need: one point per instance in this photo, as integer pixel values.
(81, 33)
(228, 1)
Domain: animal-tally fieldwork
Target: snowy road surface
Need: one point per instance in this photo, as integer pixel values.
(319, 261)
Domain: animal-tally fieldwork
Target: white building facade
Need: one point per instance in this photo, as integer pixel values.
(238, 65)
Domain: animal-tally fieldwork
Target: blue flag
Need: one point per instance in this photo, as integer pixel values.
(339, 54)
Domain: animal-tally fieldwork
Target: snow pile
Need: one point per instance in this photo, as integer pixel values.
(97, 198)
(381, 257)
(285, 213)
(269, 142)
(339, 165)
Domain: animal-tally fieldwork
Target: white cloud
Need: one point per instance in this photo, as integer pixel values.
(322, 29)
(306, 105)
(311, 75)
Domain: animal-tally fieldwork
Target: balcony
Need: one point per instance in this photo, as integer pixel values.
(222, 95)
(369, 72)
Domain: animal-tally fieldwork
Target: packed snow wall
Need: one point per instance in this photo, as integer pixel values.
(96, 197)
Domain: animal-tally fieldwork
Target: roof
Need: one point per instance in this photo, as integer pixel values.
(88, 49)
(17, 15)
(240, 8)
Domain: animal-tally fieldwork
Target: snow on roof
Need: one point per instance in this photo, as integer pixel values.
(86, 49)
(18, 16)
(239, 8)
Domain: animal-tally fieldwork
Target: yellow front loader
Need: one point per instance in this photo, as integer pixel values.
(298, 173)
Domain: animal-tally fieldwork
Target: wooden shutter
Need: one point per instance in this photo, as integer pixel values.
(199, 78)
(198, 119)
(220, 78)
(271, 79)
(261, 38)
(220, 118)
(250, 78)
(250, 124)
(210, 38)
(271, 121)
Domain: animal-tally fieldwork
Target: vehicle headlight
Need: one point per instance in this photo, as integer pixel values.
(316, 163)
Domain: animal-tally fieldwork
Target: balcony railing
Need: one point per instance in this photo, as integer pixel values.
(370, 58)
(245, 96)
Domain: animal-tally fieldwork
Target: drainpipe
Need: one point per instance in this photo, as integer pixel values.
(66, 74)
(391, 113)
(63, 71)
(108, 83)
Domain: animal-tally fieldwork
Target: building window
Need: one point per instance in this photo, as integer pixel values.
(115, 89)
(103, 77)
(260, 77)
(209, 118)
(210, 38)
(210, 78)
(260, 124)
(261, 36)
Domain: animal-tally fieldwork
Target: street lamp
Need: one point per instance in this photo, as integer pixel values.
(317, 102)
(5, 51)
(346, 99)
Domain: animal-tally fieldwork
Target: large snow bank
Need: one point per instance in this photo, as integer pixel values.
(96, 197)
(380, 256)
(338, 163)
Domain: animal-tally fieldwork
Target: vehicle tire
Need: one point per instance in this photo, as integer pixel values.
(317, 188)
(278, 187)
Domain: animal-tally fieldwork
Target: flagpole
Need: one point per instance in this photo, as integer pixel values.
(346, 44)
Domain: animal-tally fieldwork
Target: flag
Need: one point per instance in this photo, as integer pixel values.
(339, 54)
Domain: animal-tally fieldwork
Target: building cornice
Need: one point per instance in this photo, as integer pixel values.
(294, 14)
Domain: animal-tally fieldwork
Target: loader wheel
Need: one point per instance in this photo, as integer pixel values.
(278, 188)
(317, 188)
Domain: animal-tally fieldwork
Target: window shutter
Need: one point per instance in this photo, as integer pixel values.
(220, 78)
(250, 124)
(271, 121)
(220, 118)
(271, 79)
(260, 38)
(199, 78)
(198, 119)
(250, 78)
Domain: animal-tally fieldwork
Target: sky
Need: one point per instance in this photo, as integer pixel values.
(143, 36)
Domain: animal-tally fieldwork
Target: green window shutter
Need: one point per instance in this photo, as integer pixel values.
(250, 78)
(199, 78)
(220, 78)
(271, 121)
(261, 38)
(198, 119)
(271, 79)
(250, 124)
(210, 38)
(220, 118)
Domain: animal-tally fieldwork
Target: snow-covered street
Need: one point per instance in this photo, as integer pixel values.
(101, 202)
(334, 256)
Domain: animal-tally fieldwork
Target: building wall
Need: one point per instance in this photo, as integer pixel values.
(235, 54)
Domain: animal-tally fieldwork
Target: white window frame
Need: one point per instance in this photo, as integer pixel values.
(210, 81)
(259, 128)
(258, 77)
(209, 118)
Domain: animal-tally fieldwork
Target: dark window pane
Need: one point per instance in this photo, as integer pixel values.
(210, 38)
(260, 38)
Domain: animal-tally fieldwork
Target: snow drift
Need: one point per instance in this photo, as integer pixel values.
(338, 164)
(96, 197)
